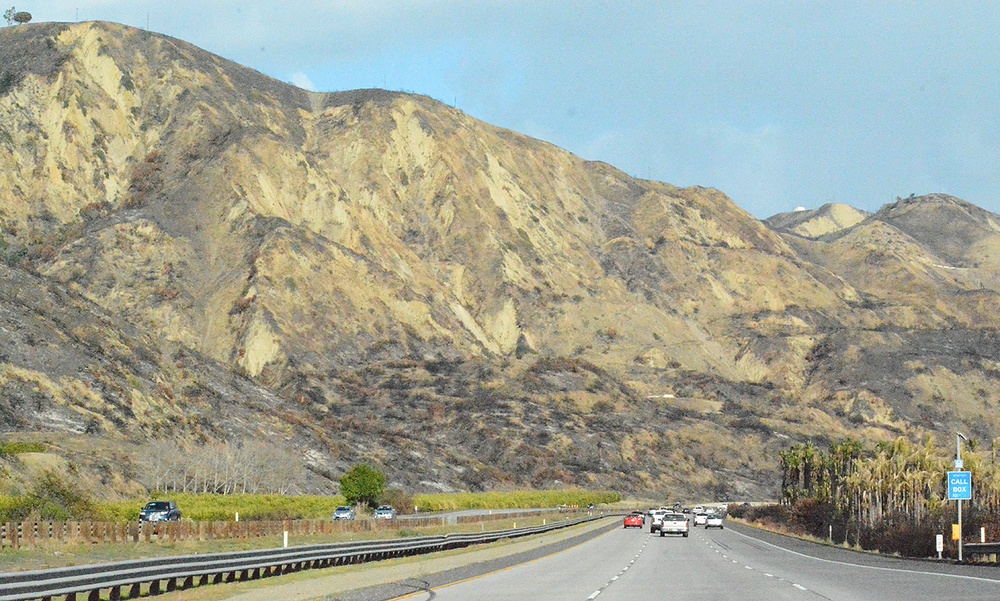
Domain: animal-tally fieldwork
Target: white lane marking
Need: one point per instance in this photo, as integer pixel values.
(594, 596)
(769, 575)
(855, 565)
(800, 587)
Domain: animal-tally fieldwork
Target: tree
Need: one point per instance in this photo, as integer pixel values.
(363, 485)
(22, 17)
(8, 15)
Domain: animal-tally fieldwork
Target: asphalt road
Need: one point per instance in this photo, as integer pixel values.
(736, 563)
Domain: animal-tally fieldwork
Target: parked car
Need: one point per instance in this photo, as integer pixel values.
(160, 511)
(385, 512)
(634, 520)
(713, 520)
(344, 513)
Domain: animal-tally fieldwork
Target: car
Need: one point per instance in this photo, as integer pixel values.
(160, 511)
(385, 512)
(634, 520)
(655, 519)
(344, 513)
(673, 523)
(713, 520)
(700, 518)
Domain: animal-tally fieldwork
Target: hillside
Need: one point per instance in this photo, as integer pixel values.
(381, 277)
(828, 219)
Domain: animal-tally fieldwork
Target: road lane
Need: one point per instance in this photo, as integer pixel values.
(737, 564)
(688, 568)
(572, 575)
(836, 573)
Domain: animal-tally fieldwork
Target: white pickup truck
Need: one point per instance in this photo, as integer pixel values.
(670, 523)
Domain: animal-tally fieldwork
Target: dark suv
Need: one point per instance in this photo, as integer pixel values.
(160, 511)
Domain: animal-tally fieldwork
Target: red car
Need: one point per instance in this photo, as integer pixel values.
(633, 521)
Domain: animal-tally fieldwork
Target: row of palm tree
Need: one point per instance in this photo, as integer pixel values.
(897, 478)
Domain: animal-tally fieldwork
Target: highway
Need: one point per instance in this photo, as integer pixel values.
(736, 563)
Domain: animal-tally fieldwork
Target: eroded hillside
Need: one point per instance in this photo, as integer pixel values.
(464, 305)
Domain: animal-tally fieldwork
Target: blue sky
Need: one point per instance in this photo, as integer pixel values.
(777, 104)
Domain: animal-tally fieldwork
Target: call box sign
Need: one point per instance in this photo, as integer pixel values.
(959, 486)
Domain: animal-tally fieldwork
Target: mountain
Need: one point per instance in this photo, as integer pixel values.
(827, 219)
(373, 275)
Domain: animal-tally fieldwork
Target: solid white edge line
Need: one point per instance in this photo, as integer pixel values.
(856, 565)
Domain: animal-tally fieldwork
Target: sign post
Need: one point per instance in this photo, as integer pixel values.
(959, 486)
(939, 544)
(959, 489)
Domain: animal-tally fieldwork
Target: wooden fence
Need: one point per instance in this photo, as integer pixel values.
(17, 535)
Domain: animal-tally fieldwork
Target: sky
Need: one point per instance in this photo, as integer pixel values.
(777, 104)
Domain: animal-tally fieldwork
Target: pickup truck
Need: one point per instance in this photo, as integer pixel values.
(670, 523)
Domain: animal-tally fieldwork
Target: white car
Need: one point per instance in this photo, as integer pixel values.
(673, 523)
(344, 513)
(700, 518)
(713, 520)
(655, 519)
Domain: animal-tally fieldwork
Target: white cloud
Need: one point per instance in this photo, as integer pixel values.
(302, 80)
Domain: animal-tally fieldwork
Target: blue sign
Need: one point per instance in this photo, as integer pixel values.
(959, 486)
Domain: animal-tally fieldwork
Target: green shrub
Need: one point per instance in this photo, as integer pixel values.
(9, 449)
(52, 499)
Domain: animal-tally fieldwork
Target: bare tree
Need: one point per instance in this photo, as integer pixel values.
(222, 468)
(8, 15)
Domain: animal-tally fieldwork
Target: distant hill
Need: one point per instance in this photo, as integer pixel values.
(827, 219)
(372, 275)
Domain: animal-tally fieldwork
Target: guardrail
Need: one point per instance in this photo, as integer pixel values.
(132, 579)
(978, 551)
